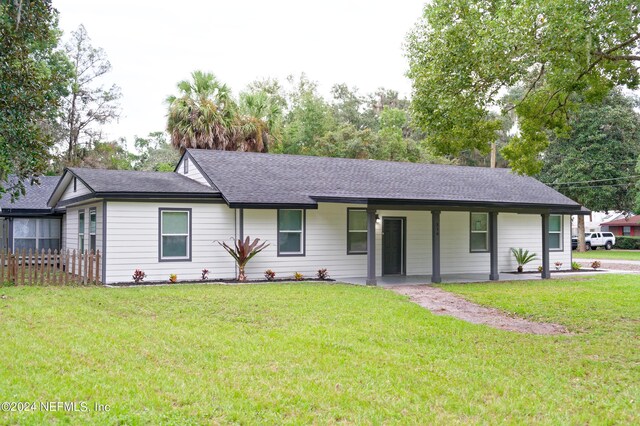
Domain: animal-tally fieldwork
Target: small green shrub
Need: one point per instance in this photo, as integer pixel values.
(575, 266)
(627, 243)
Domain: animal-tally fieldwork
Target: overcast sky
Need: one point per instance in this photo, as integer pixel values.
(154, 44)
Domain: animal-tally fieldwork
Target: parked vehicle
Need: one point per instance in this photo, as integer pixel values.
(593, 240)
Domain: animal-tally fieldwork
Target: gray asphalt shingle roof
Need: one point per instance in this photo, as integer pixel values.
(36, 196)
(128, 181)
(255, 178)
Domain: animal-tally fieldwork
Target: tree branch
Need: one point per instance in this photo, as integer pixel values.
(531, 87)
(617, 57)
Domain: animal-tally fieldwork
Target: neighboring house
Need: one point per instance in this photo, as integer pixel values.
(593, 221)
(28, 222)
(626, 226)
(357, 218)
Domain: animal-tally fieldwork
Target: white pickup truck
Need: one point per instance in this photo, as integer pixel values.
(593, 240)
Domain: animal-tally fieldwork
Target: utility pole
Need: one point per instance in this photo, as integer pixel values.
(493, 155)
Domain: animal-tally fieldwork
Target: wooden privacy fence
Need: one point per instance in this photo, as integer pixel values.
(63, 267)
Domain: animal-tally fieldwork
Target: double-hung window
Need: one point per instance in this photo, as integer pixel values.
(92, 229)
(175, 234)
(81, 231)
(291, 232)
(479, 237)
(356, 231)
(555, 232)
(36, 234)
(626, 231)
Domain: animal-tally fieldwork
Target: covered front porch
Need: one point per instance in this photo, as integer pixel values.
(451, 256)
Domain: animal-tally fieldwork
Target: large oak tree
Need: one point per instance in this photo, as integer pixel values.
(464, 54)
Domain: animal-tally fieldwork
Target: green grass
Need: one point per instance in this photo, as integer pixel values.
(608, 254)
(319, 353)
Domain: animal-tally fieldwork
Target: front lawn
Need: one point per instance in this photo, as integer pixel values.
(320, 353)
(608, 254)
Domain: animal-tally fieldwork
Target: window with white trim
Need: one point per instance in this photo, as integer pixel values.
(356, 231)
(81, 231)
(175, 227)
(291, 232)
(555, 232)
(36, 234)
(92, 229)
(479, 235)
(185, 165)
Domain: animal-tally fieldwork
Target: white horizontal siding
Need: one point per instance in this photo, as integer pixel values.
(69, 193)
(70, 227)
(133, 241)
(326, 244)
(192, 173)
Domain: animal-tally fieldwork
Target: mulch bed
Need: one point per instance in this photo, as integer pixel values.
(563, 271)
(214, 281)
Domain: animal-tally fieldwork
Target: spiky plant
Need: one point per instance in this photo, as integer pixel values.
(522, 257)
(242, 252)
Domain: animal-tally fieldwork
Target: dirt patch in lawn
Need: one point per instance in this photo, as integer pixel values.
(442, 302)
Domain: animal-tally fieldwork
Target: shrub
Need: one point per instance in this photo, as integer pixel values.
(558, 265)
(595, 265)
(269, 275)
(575, 266)
(205, 274)
(627, 243)
(540, 268)
(522, 257)
(138, 276)
(322, 274)
(173, 278)
(298, 276)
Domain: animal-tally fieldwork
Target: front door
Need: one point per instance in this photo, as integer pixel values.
(393, 246)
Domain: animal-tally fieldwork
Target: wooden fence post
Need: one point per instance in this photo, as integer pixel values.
(98, 267)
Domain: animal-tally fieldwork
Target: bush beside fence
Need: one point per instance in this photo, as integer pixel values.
(47, 267)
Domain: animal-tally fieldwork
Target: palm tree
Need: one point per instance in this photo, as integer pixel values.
(260, 121)
(203, 115)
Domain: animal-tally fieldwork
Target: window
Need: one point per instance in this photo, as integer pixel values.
(81, 231)
(36, 234)
(291, 232)
(75, 184)
(356, 231)
(175, 234)
(92, 229)
(479, 238)
(555, 232)
(185, 165)
(626, 230)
